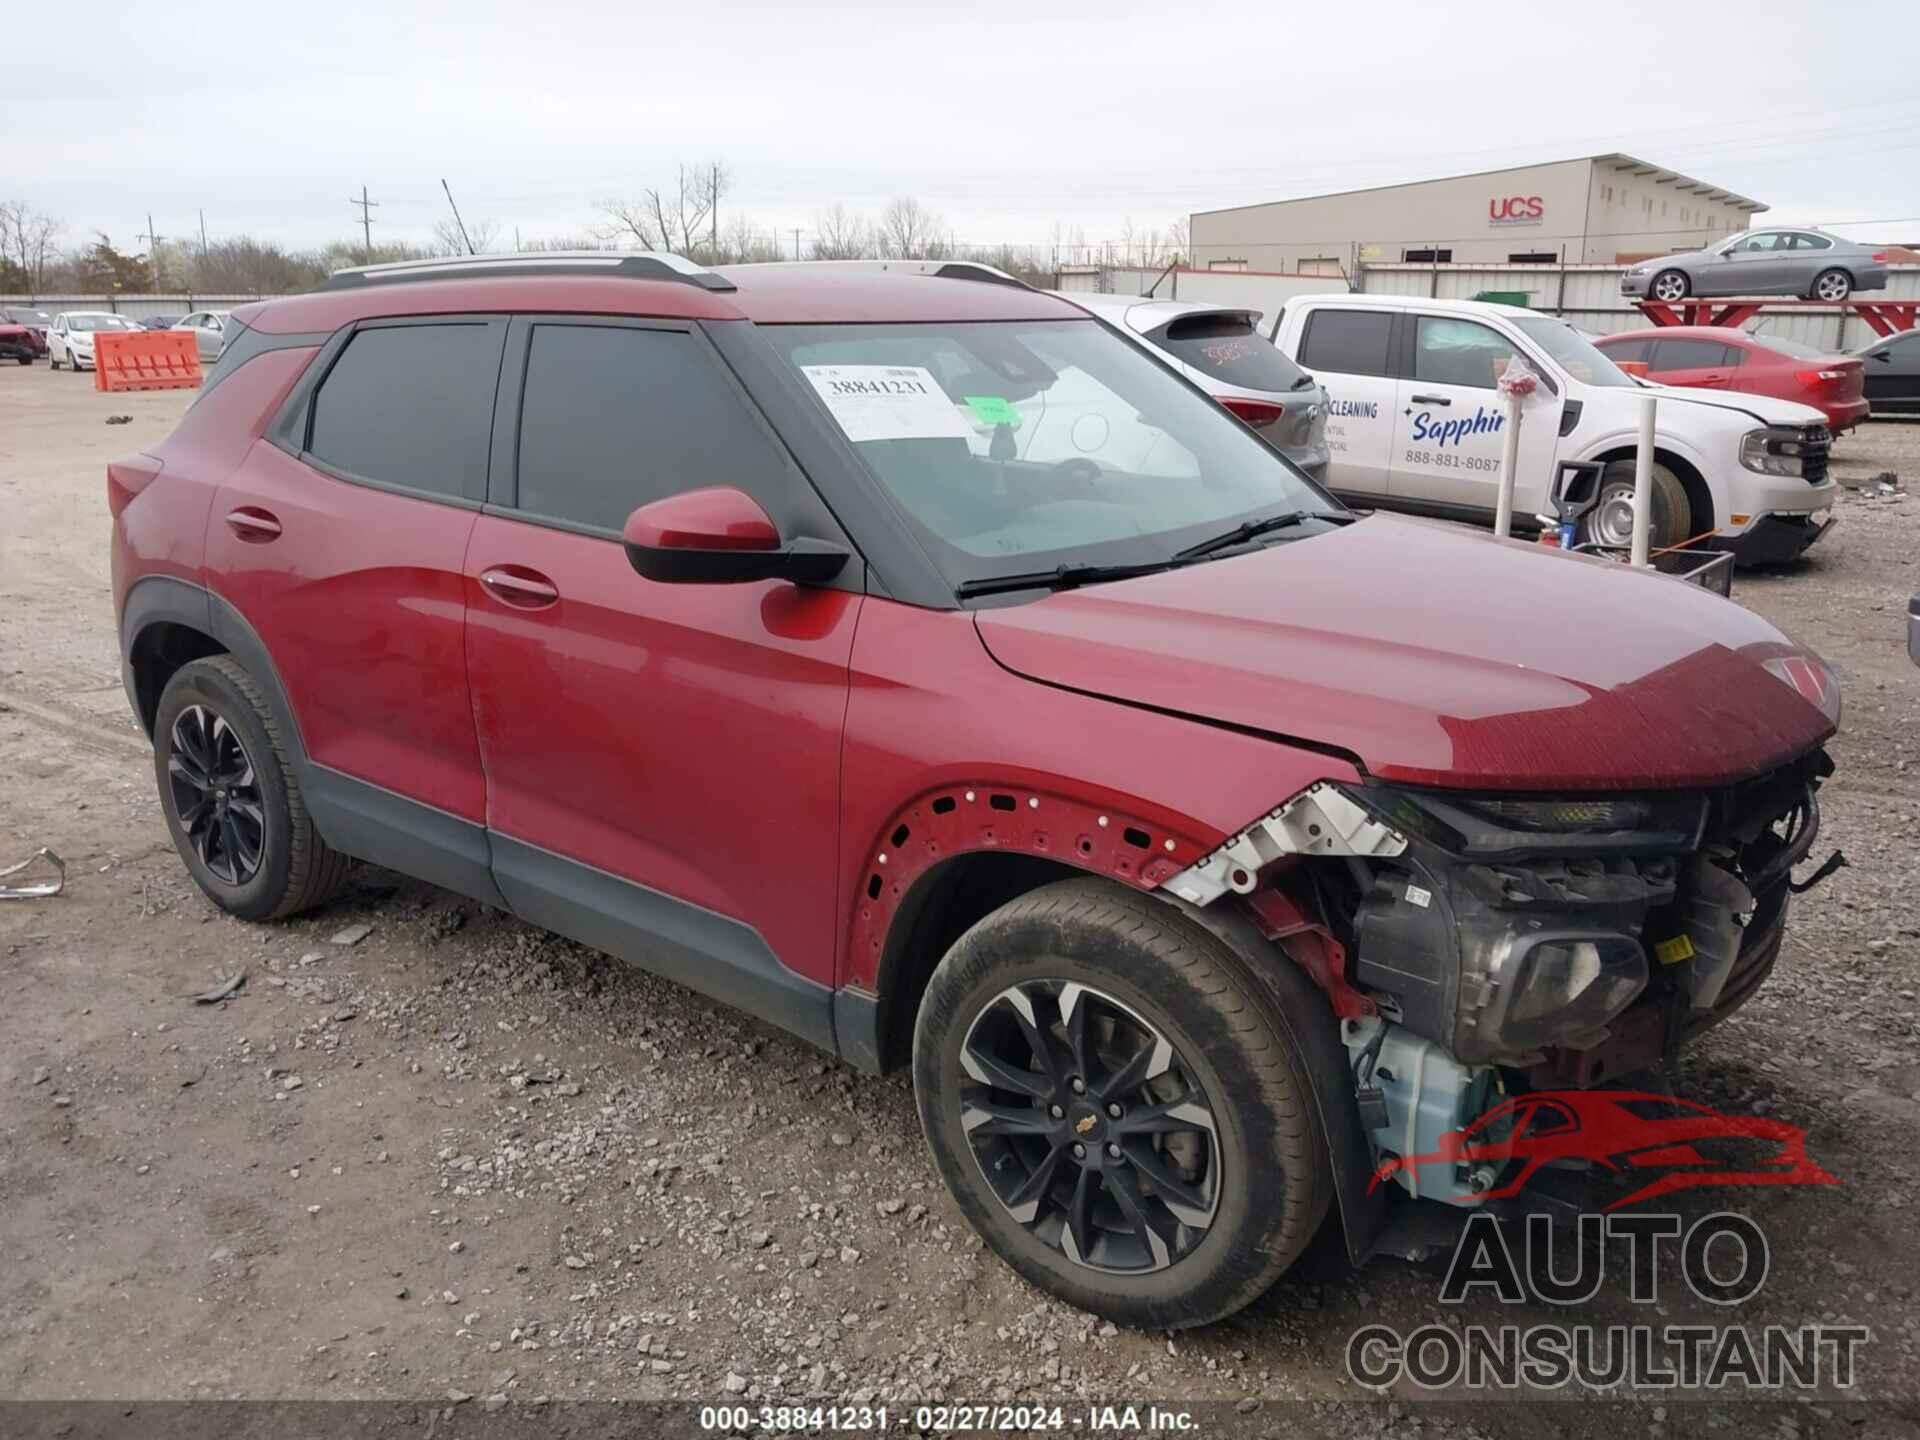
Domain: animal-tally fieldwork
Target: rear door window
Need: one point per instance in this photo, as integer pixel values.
(1228, 348)
(1347, 342)
(1637, 350)
(1690, 355)
(614, 416)
(411, 406)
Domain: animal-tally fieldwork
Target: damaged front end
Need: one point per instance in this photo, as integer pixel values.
(1473, 945)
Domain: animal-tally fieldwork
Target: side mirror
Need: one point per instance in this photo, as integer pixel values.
(1885, 357)
(719, 536)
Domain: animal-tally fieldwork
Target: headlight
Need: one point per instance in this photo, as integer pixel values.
(1809, 676)
(1548, 988)
(1483, 826)
(1774, 451)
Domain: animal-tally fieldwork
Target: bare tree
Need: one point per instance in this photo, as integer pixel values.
(840, 234)
(1179, 240)
(677, 219)
(242, 265)
(448, 239)
(28, 238)
(908, 230)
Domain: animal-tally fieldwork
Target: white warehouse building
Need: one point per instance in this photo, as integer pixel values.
(1597, 210)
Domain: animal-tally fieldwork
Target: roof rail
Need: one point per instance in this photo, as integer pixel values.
(940, 269)
(626, 264)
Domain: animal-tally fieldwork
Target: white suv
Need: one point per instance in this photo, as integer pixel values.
(1415, 422)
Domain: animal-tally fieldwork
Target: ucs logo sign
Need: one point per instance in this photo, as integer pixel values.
(1516, 209)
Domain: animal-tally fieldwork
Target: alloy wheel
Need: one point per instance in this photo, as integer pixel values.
(216, 795)
(1670, 285)
(1089, 1127)
(1832, 286)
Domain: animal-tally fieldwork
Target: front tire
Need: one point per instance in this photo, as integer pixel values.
(1113, 1110)
(1670, 285)
(231, 798)
(53, 361)
(1610, 521)
(1832, 286)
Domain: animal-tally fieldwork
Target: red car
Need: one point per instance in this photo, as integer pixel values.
(1621, 1132)
(1715, 358)
(896, 654)
(23, 335)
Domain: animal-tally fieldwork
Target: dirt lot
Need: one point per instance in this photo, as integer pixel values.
(461, 1156)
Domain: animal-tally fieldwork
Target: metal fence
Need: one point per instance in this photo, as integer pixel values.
(1589, 296)
(134, 307)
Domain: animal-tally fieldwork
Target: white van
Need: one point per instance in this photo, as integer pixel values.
(1415, 422)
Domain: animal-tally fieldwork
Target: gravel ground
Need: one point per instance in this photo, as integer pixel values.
(429, 1153)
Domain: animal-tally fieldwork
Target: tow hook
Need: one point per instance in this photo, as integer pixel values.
(1835, 861)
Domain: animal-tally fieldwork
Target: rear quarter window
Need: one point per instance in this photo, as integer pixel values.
(1229, 349)
(1347, 342)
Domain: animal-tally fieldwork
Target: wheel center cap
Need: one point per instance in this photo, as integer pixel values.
(1085, 1123)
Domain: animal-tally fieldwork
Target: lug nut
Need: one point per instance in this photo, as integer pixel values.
(1079, 1151)
(1079, 1086)
(1113, 1152)
(1114, 1110)
(1056, 1112)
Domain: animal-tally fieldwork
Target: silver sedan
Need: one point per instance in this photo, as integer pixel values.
(1809, 263)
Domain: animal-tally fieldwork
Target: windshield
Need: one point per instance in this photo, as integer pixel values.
(1780, 345)
(1014, 447)
(1576, 354)
(98, 322)
(28, 317)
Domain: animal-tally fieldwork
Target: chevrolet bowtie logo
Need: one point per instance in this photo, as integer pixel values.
(1084, 1124)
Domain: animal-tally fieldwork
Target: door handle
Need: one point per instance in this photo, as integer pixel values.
(519, 587)
(1431, 400)
(254, 525)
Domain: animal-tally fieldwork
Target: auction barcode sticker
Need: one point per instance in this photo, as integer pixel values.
(887, 402)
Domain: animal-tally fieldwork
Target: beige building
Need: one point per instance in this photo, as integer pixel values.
(1599, 209)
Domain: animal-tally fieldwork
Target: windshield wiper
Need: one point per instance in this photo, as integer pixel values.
(1248, 529)
(1061, 577)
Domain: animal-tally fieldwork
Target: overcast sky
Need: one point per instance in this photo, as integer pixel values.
(1004, 119)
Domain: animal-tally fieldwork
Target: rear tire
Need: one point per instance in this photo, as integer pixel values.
(1832, 286)
(1182, 1224)
(1610, 522)
(1671, 285)
(231, 798)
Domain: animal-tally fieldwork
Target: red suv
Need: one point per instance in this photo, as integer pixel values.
(904, 658)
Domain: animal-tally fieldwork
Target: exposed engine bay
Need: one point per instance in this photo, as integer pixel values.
(1478, 945)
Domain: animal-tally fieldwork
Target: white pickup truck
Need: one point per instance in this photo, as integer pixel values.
(1416, 423)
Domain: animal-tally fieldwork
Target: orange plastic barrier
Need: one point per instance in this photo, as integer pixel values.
(1632, 367)
(145, 360)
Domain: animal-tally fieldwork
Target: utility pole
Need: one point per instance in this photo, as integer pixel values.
(203, 235)
(713, 171)
(367, 207)
(153, 250)
(456, 217)
(796, 242)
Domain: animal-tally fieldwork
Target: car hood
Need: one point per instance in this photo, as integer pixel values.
(1434, 655)
(1764, 408)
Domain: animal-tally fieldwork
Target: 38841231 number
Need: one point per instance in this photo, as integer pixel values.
(793, 1419)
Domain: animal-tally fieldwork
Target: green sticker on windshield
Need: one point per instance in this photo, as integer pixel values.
(993, 410)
